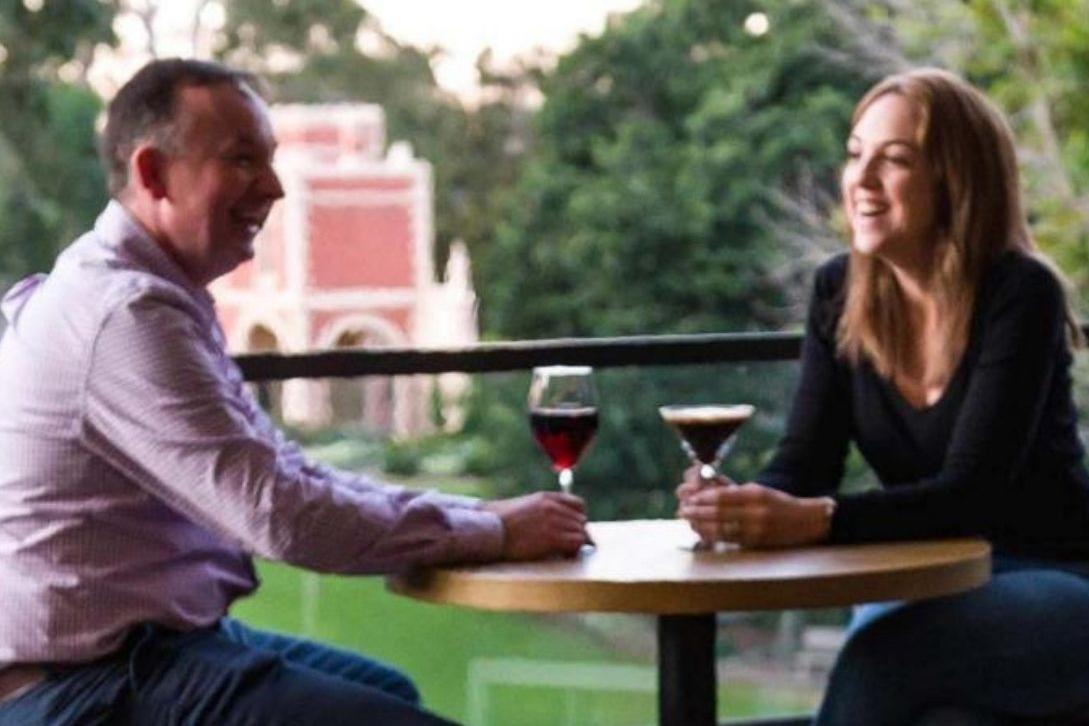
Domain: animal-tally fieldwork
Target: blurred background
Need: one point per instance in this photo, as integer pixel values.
(487, 171)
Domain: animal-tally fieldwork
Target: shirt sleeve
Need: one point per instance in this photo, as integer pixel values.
(160, 407)
(1022, 335)
(809, 459)
(291, 456)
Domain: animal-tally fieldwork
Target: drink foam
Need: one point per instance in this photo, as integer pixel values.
(709, 414)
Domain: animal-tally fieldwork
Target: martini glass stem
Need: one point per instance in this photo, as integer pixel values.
(566, 480)
(709, 472)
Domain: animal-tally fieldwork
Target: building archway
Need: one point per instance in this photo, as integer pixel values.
(261, 339)
(367, 402)
(379, 404)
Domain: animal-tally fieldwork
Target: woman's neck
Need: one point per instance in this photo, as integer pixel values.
(916, 282)
(922, 377)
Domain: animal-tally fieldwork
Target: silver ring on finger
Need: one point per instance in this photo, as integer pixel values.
(729, 529)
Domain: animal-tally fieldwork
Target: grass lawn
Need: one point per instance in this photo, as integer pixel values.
(438, 646)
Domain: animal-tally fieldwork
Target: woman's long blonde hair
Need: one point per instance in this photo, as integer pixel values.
(979, 215)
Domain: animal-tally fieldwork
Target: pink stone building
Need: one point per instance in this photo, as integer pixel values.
(345, 260)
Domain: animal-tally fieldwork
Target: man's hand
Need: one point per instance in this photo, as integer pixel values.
(541, 525)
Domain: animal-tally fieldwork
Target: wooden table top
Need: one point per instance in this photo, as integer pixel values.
(648, 567)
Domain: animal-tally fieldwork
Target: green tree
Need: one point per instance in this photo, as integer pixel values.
(1033, 58)
(670, 154)
(50, 183)
(663, 150)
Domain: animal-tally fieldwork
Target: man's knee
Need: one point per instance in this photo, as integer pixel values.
(399, 685)
(324, 658)
(408, 691)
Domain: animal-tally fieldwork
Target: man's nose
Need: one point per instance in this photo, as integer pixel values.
(269, 184)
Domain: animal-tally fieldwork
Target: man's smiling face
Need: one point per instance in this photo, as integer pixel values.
(220, 184)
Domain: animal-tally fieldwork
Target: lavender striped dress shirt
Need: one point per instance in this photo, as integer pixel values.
(137, 475)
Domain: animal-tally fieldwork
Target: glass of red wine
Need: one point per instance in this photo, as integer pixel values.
(563, 415)
(707, 432)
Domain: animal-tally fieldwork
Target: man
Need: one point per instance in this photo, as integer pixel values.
(137, 475)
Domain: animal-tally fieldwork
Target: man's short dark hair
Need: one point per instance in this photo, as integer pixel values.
(144, 109)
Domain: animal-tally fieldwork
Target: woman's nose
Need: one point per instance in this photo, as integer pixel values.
(867, 173)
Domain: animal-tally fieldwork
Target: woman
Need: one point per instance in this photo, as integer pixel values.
(940, 344)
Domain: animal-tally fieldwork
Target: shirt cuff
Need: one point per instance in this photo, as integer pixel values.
(454, 500)
(477, 535)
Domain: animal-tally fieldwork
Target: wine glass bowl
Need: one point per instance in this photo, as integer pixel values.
(563, 416)
(707, 432)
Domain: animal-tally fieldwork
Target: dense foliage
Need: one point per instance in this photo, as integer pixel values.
(50, 182)
(1033, 58)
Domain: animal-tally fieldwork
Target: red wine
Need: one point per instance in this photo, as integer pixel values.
(563, 433)
(706, 428)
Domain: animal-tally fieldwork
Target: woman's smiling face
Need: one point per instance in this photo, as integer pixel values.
(888, 184)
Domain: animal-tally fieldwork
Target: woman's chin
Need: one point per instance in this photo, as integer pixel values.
(866, 244)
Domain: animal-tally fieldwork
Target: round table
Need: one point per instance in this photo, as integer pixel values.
(650, 567)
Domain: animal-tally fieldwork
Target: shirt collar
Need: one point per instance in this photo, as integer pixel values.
(117, 228)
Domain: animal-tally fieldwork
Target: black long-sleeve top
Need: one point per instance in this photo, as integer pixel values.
(997, 455)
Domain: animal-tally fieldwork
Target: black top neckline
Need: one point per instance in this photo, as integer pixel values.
(948, 393)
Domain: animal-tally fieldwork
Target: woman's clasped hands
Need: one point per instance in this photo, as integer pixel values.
(751, 515)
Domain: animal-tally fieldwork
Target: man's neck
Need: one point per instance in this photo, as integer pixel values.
(147, 217)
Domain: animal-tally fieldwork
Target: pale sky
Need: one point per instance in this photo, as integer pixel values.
(510, 28)
(463, 29)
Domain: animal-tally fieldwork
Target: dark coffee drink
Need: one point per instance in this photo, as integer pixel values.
(706, 428)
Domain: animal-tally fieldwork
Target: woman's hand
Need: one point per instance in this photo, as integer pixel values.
(753, 515)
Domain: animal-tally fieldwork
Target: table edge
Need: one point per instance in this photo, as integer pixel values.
(451, 587)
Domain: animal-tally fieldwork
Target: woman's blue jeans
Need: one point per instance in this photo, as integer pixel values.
(1016, 648)
(227, 674)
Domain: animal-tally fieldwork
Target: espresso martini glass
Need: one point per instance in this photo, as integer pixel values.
(707, 432)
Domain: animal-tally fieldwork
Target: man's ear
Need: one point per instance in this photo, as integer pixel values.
(148, 170)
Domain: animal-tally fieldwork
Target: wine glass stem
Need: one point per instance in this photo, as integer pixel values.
(566, 479)
(707, 475)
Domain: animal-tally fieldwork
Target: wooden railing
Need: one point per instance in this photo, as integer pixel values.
(643, 350)
(639, 350)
